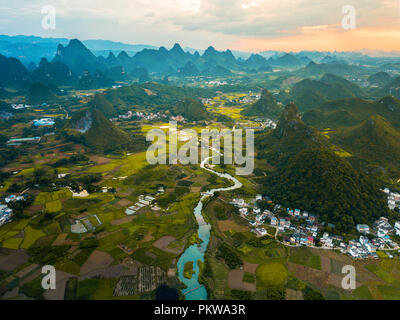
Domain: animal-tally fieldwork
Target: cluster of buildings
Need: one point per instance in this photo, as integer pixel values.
(267, 123)
(44, 122)
(5, 214)
(19, 141)
(84, 225)
(13, 198)
(300, 228)
(216, 83)
(20, 106)
(379, 239)
(144, 201)
(303, 234)
(206, 100)
(140, 115)
(178, 118)
(250, 98)
(393, 199)
(297, 235)
(362, 248)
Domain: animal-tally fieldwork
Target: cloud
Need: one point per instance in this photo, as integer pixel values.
(199, 23)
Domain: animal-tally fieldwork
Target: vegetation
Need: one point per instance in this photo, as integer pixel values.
(188, 270)
(191, 109)
(330, 154)
(328, 184)
(230, 257)
(101, 135)
(266, 106)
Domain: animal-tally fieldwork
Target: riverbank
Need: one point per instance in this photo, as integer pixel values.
(196, 252)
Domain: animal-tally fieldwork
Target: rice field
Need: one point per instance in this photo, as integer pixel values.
(271, 273)
(31, 235)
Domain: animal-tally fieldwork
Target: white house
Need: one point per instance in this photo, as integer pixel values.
(238, 202)
(261, 231)
(397, 228)
(363, 228)
(381, 233)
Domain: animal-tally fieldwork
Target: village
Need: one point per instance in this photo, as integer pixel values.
(6, 213)
(295, 228)
(140, 115)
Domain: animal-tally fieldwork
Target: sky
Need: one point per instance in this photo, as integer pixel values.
(247, 25)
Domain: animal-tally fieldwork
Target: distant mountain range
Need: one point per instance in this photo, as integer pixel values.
(74, 64)
(32, 49)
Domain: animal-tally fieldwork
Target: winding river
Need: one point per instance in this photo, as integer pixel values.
(194, 290)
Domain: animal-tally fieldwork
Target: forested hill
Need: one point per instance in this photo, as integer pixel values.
(304, 172)
(94, 130)
(191, 109)
(321, 182)
(152, 95)
(266, 106)
(291, 136)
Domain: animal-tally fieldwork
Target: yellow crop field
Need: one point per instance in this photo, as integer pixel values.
(54, 206)
(12, 243)
(31, 235)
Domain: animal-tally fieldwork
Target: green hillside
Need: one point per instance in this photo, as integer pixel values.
(373, 141)
(379, 79)
(152, 95)
(321, 182)
(100, 103)
(266, 106)
(93, 129)
(349, 112)
(290, 137)
(190, 109)
(39, 93)
(303, 171)
(309, 94)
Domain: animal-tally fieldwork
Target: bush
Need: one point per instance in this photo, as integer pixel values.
(86, 288)
(89, 243)
(272, 293)
(47, 255)
(312, 294)
(255, 242)
(238, 239)
(180, 191)
(241, 295)
(184, 183)
(33, 289)
(230, 257)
